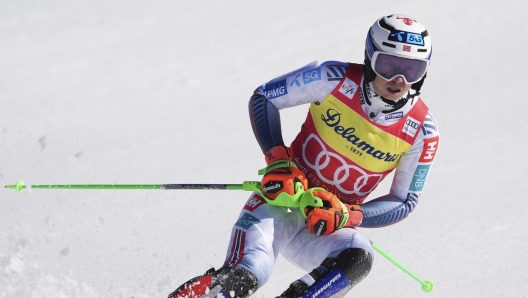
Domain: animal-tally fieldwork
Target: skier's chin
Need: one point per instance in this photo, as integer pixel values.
(393, 93)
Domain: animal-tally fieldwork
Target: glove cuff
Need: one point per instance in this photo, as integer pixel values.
(277, 164)
(346, 216)
(354, 215)
(276, 153)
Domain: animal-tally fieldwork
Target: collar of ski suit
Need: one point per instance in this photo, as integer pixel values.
(377, 106)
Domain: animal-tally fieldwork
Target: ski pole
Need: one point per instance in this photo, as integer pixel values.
(427, 286)
(283, 200)
(246, 185)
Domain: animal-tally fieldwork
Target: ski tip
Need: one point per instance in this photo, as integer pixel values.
(427, 286)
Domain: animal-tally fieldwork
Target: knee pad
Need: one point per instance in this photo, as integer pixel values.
(355, 263)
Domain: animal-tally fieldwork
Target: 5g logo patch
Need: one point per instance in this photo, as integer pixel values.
(407, 37)
(311, 75)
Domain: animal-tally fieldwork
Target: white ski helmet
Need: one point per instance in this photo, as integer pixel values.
(397, 35)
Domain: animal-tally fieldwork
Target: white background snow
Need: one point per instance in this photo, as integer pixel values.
(154, 92)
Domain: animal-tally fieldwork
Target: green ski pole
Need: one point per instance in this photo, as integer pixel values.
(246, 185)
(255, 186)
(427, 286)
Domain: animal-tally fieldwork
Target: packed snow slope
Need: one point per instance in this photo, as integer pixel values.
(152, 92)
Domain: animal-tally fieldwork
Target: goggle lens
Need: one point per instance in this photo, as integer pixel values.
(389, 66)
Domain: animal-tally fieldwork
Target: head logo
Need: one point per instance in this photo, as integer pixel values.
(406, 21)
(406, 48)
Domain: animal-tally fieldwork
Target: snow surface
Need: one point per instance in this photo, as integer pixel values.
(154, 92)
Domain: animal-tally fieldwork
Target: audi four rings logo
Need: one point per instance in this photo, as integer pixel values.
(412, 124)
(342, 176)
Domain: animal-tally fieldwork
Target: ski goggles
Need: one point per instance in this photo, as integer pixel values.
(388, 66)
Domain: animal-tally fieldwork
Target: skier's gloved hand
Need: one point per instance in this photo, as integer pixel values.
(281, 174)
(277, 153)
(355, 216)
(333, 215)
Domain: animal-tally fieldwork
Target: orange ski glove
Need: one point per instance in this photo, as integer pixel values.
(277, 153)
(281, 174)
(333, 215)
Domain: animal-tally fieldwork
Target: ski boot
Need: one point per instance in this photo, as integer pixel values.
(231, 282)
(334, 277)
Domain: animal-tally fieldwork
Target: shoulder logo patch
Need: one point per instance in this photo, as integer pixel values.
(411, 126)
(429, 149)
(348, 88)
(276, 89)
(246, 221)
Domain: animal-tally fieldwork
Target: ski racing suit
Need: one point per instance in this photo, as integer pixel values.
(350, 141)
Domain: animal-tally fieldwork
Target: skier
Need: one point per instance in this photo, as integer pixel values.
(364, 121)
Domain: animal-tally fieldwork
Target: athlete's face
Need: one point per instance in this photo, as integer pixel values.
(393, 89)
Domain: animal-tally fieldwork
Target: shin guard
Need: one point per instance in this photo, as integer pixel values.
(355, 263)
(335, 277)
